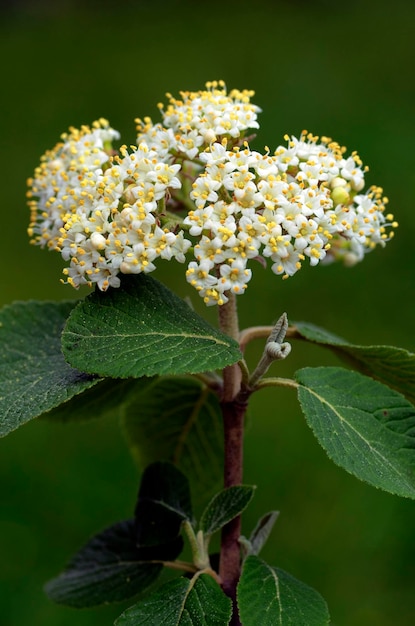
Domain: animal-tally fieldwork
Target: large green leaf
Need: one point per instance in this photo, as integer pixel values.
(365, 427)
(182, 602)
(178, 419)
(163, 504)
(268, 596)
(109, 568)
(393, 366)
(225, 506)
(142, 329)
(34, 377)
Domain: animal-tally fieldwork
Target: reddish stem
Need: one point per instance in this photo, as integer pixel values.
(230, 557)
(234, 405)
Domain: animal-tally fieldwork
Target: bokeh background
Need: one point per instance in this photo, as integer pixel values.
(338, 69)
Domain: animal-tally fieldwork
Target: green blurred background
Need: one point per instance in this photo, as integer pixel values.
(342, 70)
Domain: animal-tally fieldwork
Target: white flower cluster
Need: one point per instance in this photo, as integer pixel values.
(302, 201)
(192, 185)
(106, 212)
(99, 210)
(198, 119)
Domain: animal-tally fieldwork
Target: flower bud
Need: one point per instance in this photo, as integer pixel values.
(340, 195)
(98, 241)
(209, 136)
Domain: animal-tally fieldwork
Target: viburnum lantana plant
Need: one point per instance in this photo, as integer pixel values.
(192, 190)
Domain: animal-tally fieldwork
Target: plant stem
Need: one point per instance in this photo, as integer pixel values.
(263, 332)
(229, 566)
(234, 406)
(179, 565)
(276, 382)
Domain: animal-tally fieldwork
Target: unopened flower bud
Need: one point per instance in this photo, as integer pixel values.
(209, 136)
(340, 195)
(98, 241)
(338, 182)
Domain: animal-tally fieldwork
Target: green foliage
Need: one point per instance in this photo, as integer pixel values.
(127, 557)
(376, 293)
(393, 366)
(34, 377)
(133, 334)
(109, 568)
(142, 329)
(269, 596)
(224, 507)
(365, 427)
(163, 504)
(260, 534)
(182, 602)
(178, 419)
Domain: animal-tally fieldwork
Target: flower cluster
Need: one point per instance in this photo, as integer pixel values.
(99, 210)
(106, 212)
(301, 202)
(193, 187)
(198, 119)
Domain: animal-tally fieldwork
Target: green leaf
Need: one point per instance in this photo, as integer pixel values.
(225, 506)
(142, 329)
(261, 532)
(365, 427)
(182, 602)
(268, 596)
(178, 419)
(163, 504)
(109, 568)
(393, 366)
(34, 377)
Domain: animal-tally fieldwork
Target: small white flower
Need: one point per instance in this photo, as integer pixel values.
(199, 220)
(203, 191)
(288, 265)
(198, 275)
(180, 247)
(210, 249)
(351, 172)
(214, 296)
(235, 276)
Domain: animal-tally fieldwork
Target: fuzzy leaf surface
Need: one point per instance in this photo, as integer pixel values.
(268, 596)
(392, 366)
(142, 329)
(225, 506)
(178, 419)
(181, 602)
(163, 504)
(109, 568)
(34, 377)
(365, 427)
